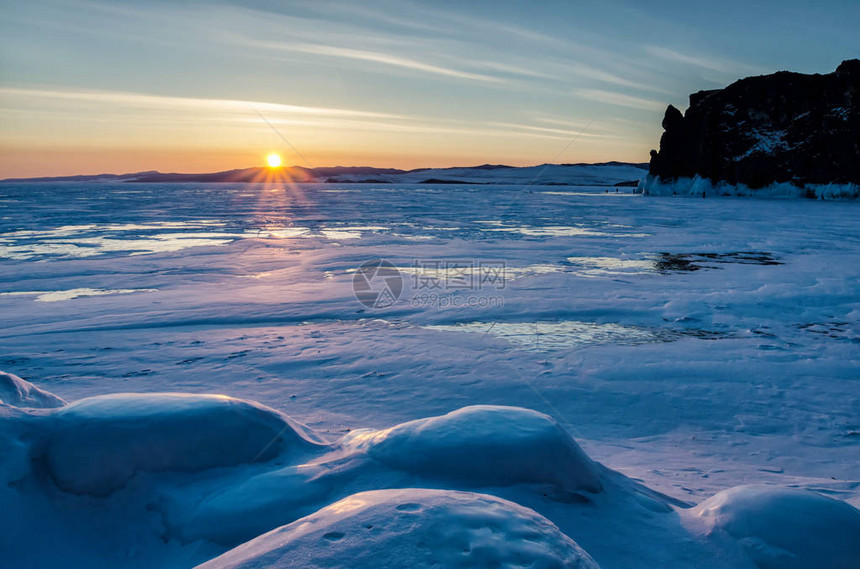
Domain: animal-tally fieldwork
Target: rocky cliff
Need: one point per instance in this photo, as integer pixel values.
(785, 134)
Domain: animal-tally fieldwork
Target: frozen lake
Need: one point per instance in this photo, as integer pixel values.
(693, 344)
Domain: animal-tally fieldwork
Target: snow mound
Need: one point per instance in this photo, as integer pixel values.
(412, 528)
(484, 445)
(785, 528)
(98, 444)
(21, 393)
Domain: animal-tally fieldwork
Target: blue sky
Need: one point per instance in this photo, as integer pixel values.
(124, 86)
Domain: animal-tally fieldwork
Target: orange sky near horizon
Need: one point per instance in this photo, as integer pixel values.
(24, 163)
(62, 132)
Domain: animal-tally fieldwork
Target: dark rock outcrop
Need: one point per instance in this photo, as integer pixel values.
(798, 130)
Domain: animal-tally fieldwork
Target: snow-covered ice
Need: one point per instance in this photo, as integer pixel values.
(483, 445)
(422, 493)
(96, 445)
(669, 349)
(412, 528)
(783, 528)
(17, 392)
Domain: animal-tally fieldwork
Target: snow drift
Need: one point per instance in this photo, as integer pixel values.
(175, 480)
(484, 445)
(472, 447)
(412, 528)
(17, 392)
(784, 528)
(98, 444)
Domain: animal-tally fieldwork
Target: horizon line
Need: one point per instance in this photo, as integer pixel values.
(296, 166)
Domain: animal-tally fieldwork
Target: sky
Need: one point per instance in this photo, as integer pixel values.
(93, 87)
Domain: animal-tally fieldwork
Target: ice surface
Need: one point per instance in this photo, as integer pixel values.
(412, 528)
(549, 336)
(752, 306)
(88, 240)
(60, 295)
(20, 393)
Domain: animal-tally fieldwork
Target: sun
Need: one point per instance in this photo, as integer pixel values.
(273, 160)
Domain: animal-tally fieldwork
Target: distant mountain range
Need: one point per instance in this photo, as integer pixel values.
(601, 174)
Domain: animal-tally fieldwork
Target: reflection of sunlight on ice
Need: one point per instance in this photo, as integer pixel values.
(60, 295)
(552, 336)
(147, 238)
(97, 239)
(591, 194)
(332, 232)
(349, 504)
(549, 231)
(415, 237)
(279, 232)
(360, 438)
(71, 230)
(611, 266)
(23, 252)
(340, 234)
(351, 232)
(537, 269)
(552, 230)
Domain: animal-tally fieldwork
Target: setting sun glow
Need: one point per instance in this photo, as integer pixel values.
(273, 160)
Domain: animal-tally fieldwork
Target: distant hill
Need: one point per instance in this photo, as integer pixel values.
(601, 174)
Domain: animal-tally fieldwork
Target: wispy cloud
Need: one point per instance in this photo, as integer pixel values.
(606, 77)
(547, 130)
(620, 99)
(512, 69)
(161, 112)
(460, 47)
(148, 101)
(698, 60)
(434, 126)
(376, 57)
(576, 125)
